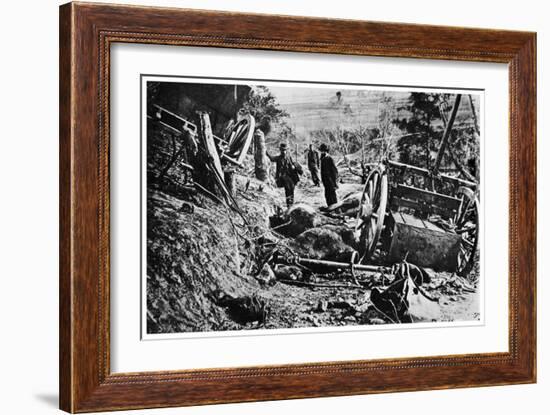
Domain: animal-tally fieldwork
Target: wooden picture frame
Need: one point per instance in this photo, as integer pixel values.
(86, 33)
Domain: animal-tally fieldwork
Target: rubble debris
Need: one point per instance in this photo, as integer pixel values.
(313, 320)
(187, 207)
(322, 306)
(245, 309)
(350, 319)
(266, 276)
(403, 301)
(342, 304)
(288, 272)
(454, 285)
(418, 274)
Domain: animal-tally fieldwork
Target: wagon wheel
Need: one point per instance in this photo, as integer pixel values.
(240, 138)
(467, 225)
(372, 212)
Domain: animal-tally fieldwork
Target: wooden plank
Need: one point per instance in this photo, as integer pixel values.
(398, 203)
(412, 221)
(398, 217)
(426, 173)
(415, 193)
(432, 226)
(424, 201)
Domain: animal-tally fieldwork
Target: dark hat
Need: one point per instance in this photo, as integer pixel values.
(323, 147)
(283, 146)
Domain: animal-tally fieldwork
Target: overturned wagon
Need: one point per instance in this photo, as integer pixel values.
(427, 218)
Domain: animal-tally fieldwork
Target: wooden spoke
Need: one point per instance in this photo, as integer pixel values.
(240, 138)
(372, 212)
(468, 243)
(467, 225)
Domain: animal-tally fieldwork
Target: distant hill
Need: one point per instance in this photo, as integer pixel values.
(313, 109)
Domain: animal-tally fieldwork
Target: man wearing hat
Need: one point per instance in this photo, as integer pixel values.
(287, 173)
(329, 175)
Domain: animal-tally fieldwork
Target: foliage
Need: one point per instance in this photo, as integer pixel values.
(348, 140)
(466, 148)
(421, 123)
(337, 138)
(375, 142)
(263, 106)
(284, 132)
(384, 141)
(261, 103)
(152, 91)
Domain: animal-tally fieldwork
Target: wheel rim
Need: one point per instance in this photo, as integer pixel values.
(240, 137)
(467, 226)
(371, 213)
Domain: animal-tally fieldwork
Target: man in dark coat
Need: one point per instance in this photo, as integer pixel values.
(313, 164)
(286, 173)
(329, 175)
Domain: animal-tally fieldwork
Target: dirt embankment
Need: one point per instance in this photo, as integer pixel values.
(194, 255)
(204, 267)
(199, 254)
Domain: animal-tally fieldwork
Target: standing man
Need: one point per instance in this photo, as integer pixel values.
(329, 176)
(287, 173)
(313, 164)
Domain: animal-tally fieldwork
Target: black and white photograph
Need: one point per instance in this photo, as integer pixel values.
(284, 206)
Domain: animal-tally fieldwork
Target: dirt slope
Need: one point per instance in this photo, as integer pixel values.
(206, 255)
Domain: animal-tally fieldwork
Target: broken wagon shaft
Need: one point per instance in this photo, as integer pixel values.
(318, 285)
(446, 134)
(452, 154)
(188, 126)
(341, 265)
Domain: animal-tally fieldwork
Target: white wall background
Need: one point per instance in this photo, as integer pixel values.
(29, 205)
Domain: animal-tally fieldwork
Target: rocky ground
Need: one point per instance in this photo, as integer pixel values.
(205, 268)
